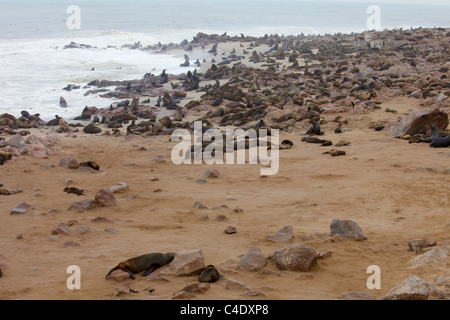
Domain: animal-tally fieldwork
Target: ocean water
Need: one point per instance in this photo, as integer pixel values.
(35, 68)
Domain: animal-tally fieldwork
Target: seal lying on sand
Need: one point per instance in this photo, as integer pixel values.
(4, 156)
(146, 262)
(74, 190)
(436, 140)
(440, 142)
(91, 164)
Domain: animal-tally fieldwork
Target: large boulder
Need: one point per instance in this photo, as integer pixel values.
(419, 122)
(105, 198)
(412, 288)
(185, 263)
(347, 229)
(297, 257)
(69, 163)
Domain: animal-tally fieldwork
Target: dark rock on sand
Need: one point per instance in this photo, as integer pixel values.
(347, 229)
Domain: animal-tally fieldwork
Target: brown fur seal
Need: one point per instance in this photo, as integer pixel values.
(74, 190)
(90, 164)
(4, 156)
(4, 192)
(313, 140)
(209, 274)
(146, 262)
(335, 153)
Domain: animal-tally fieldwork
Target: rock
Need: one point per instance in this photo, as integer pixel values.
(347, 229)
(25, 205)
(253, 293)
(191, 289)
(40, 152)
(69, 163)
(419, 122)
(81, 230)
(105, 198)
(83, 205)
(119, 187)
(253, 260)
(417, 245)
(16, 141)
(210, 173)
(61, 228)
(440, 289)
(438, 256)
(102, 219)
(92, 129)
(233, 284)
(417, 94)
(185, 263)
(412, 288)
(119, 275)
(357, 295)
(283, 235)
(71, 244)
(18, 211)
(221, 217)
(199, 205)
(297, 257)
(230, 230)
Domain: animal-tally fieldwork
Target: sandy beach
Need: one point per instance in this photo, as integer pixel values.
(394, 190)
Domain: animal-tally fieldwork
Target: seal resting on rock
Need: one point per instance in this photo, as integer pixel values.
(146, 262)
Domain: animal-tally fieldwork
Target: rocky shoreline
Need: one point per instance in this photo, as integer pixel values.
(283, 80)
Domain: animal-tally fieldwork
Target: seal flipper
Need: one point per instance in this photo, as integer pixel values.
(131, 273)
(110, 271)
(150, 269)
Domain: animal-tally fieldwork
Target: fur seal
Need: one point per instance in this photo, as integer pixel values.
(146, 262)
(436, 140)
(74, 190)
(91, 164)
(335, 153)
(4, 156)
(313, 140)
(342, 143)
(440, 142)
(4, 192)
(209, 274)
(315, 128)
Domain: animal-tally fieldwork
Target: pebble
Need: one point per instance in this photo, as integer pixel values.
(230, 230)
(199, 205)
(18, 211)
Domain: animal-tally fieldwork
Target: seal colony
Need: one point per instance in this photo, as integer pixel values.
(334, 100)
